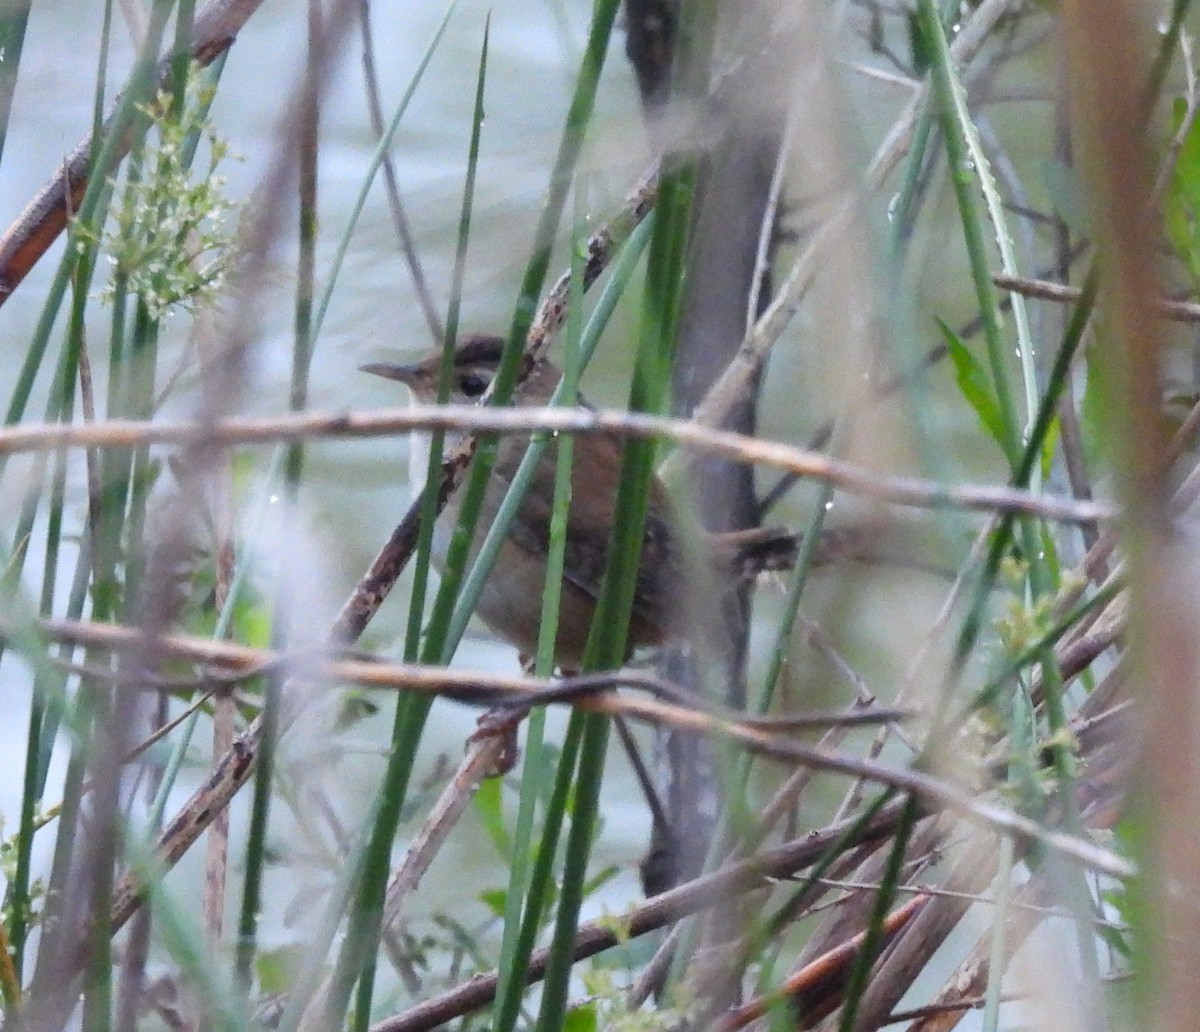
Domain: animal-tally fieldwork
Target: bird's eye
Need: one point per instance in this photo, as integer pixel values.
(473, 385)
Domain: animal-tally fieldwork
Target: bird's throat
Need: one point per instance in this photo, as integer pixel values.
(420, 444)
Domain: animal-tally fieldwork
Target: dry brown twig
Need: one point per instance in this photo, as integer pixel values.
(408, 245)
(1048, 290)
(897, 490)
(596, 936)
(747, 733)
(227, 663)
(750, 875)
(832, 966)
(762, 334)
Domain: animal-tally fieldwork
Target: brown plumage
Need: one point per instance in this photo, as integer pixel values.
(511, 602)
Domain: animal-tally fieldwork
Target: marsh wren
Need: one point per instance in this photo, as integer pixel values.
(511, 602)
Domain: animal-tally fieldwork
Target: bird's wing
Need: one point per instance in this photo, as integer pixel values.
(595, 474)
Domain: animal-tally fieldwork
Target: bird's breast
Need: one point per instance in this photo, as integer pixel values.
(419, 447)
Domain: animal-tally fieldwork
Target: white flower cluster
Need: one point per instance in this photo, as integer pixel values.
(170, 243)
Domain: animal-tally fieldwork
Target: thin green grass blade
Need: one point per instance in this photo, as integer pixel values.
(356, 960)
(607, 642)
(578, 117)
(13, 22)
(533, 768)
(512, 983)
(869, 951)
(962, 176)
(303, 342)
(437, 440)
(376, 162)
(489, 549)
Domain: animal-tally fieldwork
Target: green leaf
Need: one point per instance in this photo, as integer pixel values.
(355, 707)
(277, 968)
(1181, 205)
(1115, 940)
(600, 879)
(581, 1019)
(1067, 197)
(252, 620)
(1094, 417)
(106, 595)
(489, 805)
(917, 47)
(630, 955)
(1049, 446)
(974, 384)
(495, 900)
(1050, 551)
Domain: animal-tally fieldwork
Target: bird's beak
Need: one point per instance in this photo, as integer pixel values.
(409, 375)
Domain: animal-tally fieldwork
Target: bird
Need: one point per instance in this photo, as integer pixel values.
(511, 601)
